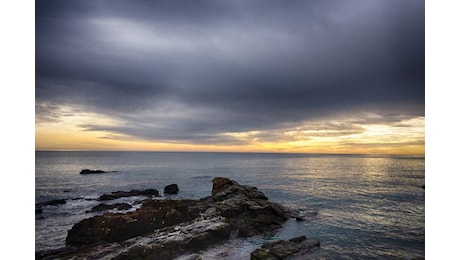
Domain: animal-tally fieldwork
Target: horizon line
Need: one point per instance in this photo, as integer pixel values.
(248, 152)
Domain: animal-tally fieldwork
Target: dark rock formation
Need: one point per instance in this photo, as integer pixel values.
(50, 203)
(164, 229)
(103, 207)
(88, 171)
(39, 206)
(121, 194)
(114, 227)
(246, 208)
(282, 249)
(171, 189)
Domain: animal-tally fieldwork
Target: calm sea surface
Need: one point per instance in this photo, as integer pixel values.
(368, 207)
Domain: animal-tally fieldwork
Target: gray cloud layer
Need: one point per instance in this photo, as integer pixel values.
(190, 70)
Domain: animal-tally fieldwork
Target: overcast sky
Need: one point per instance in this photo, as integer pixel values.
(193, 71)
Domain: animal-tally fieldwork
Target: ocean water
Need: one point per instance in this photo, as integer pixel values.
(359, 206)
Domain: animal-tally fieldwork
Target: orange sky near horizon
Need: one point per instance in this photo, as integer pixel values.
(330, 136)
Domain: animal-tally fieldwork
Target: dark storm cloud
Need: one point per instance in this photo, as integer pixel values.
(192, 70)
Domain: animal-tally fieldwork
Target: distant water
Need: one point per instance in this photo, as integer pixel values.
(369, 207)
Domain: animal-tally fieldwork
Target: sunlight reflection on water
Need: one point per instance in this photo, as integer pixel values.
(368, 206)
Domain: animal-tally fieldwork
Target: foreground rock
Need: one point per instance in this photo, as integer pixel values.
(246, 208)
(171, 189)
(164, 229)
(115, 227)
(121, 194)
(282, 249)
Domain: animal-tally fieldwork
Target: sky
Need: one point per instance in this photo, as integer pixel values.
(247, 76)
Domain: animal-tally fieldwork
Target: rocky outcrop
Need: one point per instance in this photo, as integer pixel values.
(164, 229)
(246, 208)
(283, 249)
(114, 227)
(103, 207)
(121, 194)
(171, 189)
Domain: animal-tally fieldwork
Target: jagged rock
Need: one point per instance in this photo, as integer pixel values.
(171, 189)
(164, 229)
(103, 207)
(219, 184)
(121, 194)
(282, 249)
(246, 208)
(113, 227)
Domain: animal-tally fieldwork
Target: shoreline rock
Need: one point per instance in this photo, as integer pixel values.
(51, 203)
(121, 194)
(282, 249)
(168, 228)
(171, 189)
(104, 207)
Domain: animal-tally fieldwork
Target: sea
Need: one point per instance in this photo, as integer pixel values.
(357, 206)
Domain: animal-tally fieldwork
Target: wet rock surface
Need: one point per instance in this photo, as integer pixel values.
(121, 194)
(283, 249)
(103, 207)
(166, 228)
(171, 189)
(50, 203)
(39, 206)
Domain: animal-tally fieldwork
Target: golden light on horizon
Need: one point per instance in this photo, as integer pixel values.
(73, 129)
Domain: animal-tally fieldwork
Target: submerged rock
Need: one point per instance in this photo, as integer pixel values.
(282, 249)
(103, 207)
(171, 189)
(50, 203)
(121, 194)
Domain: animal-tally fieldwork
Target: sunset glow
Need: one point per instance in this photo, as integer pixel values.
(345, 135)
(307, 77)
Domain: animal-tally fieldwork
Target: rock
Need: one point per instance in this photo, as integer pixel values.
(50, 203)
(121, 194)
(219, 184)
(165, 229)
(103, 207)
(88, 171)
(283, 249)
(168, 245)
(171, 189)
(38, 210)
(114, 227)
(190, 257)
(246, 208)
